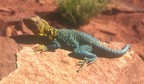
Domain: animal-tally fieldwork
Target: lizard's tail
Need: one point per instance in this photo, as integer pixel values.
(101, 50)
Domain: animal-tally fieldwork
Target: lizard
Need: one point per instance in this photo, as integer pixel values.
(82, 44)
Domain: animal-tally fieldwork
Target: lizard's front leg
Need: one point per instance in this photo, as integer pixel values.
(52, 46)
(85, 51)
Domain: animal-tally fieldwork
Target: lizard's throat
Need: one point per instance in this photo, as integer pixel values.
(49, 32)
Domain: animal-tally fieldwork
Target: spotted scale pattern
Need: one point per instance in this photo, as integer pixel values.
(76, 39)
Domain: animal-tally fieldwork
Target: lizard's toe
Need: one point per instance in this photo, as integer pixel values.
(81, 62)
(39, 47)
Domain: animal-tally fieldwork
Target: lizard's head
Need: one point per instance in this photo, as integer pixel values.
(36, 25)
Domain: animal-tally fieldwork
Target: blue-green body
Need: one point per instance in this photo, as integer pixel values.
(84, 43)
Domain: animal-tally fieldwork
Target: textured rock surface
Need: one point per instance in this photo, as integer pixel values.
(8, 49)
(58, 67)
(2, 27)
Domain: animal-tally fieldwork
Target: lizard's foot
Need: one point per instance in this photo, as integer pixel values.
(39, 47)
(85, 51)
(82, 63)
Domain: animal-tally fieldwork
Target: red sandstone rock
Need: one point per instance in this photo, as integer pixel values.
(8, 49)
(58, 67)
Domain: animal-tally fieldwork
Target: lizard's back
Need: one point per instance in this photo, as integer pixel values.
(75, 38)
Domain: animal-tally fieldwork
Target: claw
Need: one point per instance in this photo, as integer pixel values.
(82, 64)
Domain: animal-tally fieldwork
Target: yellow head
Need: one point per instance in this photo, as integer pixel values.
(39, 26)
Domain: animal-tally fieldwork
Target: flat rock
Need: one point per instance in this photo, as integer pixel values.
(58, 68)
(8, 49)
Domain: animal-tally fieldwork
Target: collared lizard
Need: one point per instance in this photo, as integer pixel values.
(82, 44)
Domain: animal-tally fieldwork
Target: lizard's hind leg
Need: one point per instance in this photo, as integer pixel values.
(85, 51)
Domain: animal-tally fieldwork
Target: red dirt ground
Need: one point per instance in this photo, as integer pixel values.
(122, 27)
